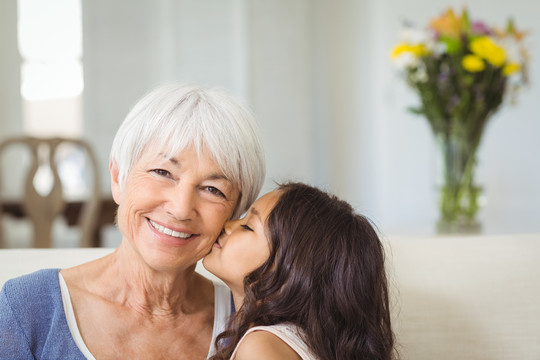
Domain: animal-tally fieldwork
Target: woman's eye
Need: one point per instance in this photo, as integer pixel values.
(161, 172)
(215, 191)
(246, 227)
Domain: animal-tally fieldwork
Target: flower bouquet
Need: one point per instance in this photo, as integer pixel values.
(462, 71)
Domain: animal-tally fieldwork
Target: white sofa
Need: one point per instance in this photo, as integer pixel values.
(453, 297)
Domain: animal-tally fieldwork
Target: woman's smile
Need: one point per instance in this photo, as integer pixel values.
(167, 231)
(170, 237)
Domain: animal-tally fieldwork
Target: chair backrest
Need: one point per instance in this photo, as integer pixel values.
(43, 201)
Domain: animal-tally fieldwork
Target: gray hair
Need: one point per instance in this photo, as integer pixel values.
(176, 116)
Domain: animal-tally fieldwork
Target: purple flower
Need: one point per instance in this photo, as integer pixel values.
(479, 28)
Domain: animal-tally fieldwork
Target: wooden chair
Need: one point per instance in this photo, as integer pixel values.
(42, 209)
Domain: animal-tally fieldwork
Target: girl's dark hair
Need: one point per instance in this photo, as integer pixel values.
(325, 274)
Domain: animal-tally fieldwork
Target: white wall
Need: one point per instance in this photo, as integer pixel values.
(10, 100)
(280, 84)
(131, 47)
(331, 107)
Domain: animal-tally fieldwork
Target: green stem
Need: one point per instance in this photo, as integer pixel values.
(458, 193)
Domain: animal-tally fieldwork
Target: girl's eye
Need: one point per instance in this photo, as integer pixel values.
(161, 172)
(215, 191)
(247, 228)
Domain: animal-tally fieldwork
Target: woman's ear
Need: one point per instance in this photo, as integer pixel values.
(116, 189)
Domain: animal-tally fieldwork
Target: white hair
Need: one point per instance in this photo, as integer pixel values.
(176, 116)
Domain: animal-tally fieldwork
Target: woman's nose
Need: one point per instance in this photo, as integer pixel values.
(183, 204)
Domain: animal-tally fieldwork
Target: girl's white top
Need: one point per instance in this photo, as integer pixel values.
(289, 333)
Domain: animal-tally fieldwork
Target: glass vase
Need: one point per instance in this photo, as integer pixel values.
(458, 194)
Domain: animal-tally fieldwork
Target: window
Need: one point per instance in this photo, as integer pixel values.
(50, 44)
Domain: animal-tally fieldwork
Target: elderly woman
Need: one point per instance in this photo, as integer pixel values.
(184, 161)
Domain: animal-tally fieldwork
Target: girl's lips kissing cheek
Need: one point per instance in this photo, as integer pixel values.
(218, 243)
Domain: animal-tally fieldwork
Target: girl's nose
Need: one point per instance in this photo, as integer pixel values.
(229, 226)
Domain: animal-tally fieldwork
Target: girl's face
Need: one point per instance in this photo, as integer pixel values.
(244, 244)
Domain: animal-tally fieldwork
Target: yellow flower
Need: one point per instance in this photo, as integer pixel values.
(511, 68)
(487, 49)
(417, 50)
(473, 63)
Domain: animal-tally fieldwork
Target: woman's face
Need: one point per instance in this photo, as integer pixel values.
(172, 209)
(244, 245)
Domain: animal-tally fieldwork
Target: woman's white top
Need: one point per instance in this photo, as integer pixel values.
(289, 333)
(222, 311)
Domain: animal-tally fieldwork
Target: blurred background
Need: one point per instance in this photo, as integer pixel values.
(331, 107)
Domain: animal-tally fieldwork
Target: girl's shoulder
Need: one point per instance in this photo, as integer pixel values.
(265, 345)
(282, 341)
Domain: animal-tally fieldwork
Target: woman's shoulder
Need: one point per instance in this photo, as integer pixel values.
(221, 292)
(34, 289)
(32, 297)
(32, 317)
(41, 281)
(265, 345)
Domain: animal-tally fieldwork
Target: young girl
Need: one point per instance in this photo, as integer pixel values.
(307, 277)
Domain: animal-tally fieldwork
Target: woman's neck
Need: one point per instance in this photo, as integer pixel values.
(155, 293)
